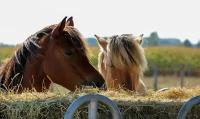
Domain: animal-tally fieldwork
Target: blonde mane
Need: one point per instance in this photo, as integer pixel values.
(125, 51)
(122, 61)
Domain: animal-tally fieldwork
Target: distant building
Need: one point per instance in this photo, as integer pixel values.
(169, 41)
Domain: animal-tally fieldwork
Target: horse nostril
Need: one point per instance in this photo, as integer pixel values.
(103, 87)
(96, 81)
(99, 81)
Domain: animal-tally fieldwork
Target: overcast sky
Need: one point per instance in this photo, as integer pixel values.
(170, 18)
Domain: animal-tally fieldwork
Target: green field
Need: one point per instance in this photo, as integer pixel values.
(167, 59)
(6, 52)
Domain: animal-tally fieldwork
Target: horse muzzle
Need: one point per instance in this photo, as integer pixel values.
(96, 82)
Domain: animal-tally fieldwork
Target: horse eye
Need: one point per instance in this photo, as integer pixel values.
(68, 52)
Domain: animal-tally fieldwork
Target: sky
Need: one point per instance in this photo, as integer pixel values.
(170, 18)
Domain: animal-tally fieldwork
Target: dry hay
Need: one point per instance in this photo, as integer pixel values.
(155, 105)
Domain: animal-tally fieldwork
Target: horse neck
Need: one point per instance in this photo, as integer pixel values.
(101, 65)
(135, 75)
(34, 75)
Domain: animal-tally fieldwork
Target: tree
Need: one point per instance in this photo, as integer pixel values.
(153, 39)
(187, 43)
(198, 44)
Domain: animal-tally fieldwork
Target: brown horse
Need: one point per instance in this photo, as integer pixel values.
(54, 54)
(122, 62)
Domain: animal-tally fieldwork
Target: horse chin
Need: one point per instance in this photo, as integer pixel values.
(90, 86)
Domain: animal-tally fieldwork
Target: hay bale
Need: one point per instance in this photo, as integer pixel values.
(48, 105)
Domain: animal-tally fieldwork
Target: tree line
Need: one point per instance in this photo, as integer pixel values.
(155, 40)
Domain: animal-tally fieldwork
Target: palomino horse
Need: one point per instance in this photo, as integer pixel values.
(122, 62)
(54, 54)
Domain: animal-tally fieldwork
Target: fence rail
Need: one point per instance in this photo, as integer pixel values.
(181, 74)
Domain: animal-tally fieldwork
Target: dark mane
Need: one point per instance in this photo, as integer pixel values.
(13, 69)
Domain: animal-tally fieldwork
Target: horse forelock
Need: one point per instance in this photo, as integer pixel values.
(124, 51)
(75, 38)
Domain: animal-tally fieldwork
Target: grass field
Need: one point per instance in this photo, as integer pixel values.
(172, 82)
(6, 52)
(173, 59)
(164, 57)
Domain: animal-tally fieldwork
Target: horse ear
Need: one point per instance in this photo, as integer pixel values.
(59, 28)
(70, 21)
(102, 42)
(139, 39)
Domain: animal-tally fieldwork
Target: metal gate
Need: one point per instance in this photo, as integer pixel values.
(93, 100)
(187, 107)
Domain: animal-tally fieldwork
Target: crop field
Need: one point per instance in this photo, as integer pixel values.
(167, 56)
(155, 105)
(172, 59)
(164, 57)
(167, 59)
(6, 52)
